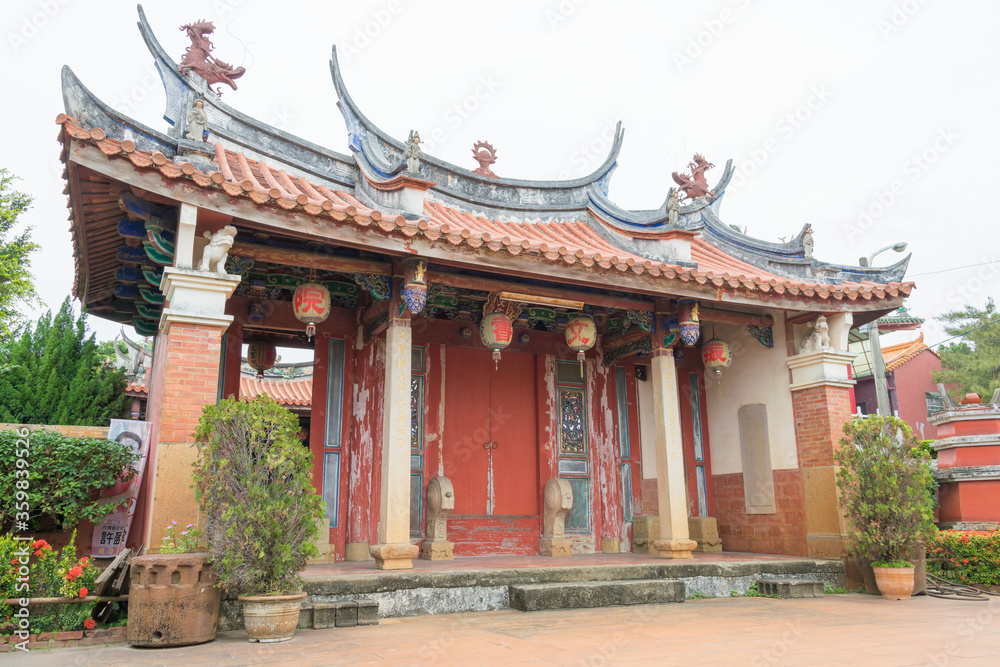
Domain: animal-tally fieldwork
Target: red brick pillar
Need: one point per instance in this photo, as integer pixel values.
(821, 401)
(184, 379)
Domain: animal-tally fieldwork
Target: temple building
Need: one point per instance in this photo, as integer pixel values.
(522, 364)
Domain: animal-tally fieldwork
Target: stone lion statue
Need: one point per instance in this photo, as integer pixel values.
(217, 249)
(817, 340)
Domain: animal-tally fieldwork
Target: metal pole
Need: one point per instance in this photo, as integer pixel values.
(878, 370)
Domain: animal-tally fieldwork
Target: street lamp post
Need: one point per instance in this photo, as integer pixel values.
(878, 362)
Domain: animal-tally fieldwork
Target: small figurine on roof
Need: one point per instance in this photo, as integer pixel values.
(673, 207)
(485, 155)
(413, 153)
(807, 242)
(197, 122)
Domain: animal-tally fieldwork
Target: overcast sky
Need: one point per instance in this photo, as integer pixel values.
(874, 120)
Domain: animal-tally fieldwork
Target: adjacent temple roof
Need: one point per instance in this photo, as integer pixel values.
(561, 223)
(894, 355)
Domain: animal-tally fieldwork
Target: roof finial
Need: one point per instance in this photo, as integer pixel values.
(485, 155)
(198, 57)
(413, 153)
(695, 185)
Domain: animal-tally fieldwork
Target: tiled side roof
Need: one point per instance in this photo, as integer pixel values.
(569, 242)
(296, 392)
(897, 355)
(286, 392)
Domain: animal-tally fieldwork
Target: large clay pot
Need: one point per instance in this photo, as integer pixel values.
(173, 600)
(895, 583)
(271, 618)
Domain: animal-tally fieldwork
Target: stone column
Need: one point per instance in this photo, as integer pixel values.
(394, 551)
(184, 378)
(671, 494)
(821, 402)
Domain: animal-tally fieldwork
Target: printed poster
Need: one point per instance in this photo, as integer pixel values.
(110, 535)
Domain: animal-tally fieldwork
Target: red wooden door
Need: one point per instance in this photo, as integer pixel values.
(496, 494)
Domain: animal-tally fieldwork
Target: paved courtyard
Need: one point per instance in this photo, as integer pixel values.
(836, 630)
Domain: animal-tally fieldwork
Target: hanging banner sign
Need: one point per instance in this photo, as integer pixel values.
(111, 533)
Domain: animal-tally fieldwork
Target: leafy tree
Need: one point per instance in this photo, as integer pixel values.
(973, 363)
(55, 374)
(16, 282)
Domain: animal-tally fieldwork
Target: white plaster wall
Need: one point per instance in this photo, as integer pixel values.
(758, 375)
(646, 435)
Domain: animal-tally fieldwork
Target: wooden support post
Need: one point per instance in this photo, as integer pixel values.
(394, 551)
(670, 489)
(187, 221)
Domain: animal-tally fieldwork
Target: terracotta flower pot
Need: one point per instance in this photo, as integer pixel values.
(895, 583)
(271, 618)
(173, 600)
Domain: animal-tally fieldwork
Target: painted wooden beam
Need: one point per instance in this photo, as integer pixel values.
(309, 259)
(732, 317)
(494, 285)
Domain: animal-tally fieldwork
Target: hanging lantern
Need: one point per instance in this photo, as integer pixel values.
(261, 355)
(581, 334)
(716, 355)
(414, 288)
(689, 325)
(311, 303)
(496, 330)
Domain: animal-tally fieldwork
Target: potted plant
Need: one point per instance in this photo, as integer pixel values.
(174, 596)
(885, 493)
(254, 485)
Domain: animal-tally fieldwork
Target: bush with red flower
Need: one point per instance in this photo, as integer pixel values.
(966, 556)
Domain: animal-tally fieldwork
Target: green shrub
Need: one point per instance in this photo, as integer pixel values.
(63, 475)
(885, 489)
(968, 556)
(254, 483)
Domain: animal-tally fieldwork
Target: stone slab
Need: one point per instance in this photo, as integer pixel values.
(367, 612)
(585, 594)
(791, 588)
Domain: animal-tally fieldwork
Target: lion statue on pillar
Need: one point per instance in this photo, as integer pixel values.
(217, 250)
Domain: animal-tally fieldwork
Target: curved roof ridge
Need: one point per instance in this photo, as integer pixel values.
(381, 149)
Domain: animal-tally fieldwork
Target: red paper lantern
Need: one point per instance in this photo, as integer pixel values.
(261, 355)
(716, 355)
(496, 331)
(311, 303)
(581, 334)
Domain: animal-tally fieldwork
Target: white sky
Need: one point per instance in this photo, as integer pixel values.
(876, 84)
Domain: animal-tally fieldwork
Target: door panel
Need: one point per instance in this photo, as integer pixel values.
(466, 426)
(478, 397)
(515, 460)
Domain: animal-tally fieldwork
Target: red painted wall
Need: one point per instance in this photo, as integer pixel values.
(912, 380)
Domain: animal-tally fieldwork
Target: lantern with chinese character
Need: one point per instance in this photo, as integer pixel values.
(261, 355)
(311, 303)
(716, 355)
(496, 330)
(581, 334)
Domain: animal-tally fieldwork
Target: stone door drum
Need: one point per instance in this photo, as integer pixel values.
(490, 451)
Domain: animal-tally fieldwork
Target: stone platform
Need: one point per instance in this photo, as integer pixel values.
(484, 583)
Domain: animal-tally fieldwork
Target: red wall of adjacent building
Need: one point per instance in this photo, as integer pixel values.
(913, 380)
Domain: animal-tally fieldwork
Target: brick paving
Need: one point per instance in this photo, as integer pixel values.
(847, 629)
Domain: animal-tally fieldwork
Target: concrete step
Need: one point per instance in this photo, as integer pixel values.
(578, 594)
(791, 588)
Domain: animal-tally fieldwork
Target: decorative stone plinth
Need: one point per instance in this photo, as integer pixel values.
(676, 548)
(394, 556)
(791, 588)
(555, 547)
(357, 552)
(645, 531)
(611, 545)
(440, 503)
(705, 531)
(558, 500)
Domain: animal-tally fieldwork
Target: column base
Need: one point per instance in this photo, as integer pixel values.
(676, 548)
(705, 531)
(357, 552)
(825, 546)
(394, 556)
(611, 545)
(437, 550)
(548, 546)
